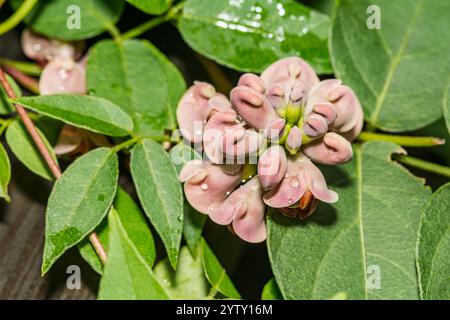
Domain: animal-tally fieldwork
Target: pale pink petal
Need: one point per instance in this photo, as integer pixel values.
(253, 81)
(213, 136)
(253, 107)
(69, 140)
(291, 188)
(206, 185)
(272, 167)
(294, 140)
(246, 210)
(287, 70)
(315, 126)
(332, 150)
(40, 48)
(63, 76)
(316, 182)
(193, 110)
(276, 95)
(349, 115)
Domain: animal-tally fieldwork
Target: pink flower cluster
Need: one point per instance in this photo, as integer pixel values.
(286, 119)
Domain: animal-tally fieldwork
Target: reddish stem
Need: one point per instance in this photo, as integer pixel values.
(46, 154)
(24, 80)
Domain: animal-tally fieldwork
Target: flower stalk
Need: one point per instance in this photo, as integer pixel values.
(405, 141)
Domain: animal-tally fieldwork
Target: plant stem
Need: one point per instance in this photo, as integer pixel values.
(29, 68)
(140, 29)
(28, 83)
(422, 164)
(56, 171)
(114, 32)
(126, 144)
(18, 16)
(146, 26)
(407, 141)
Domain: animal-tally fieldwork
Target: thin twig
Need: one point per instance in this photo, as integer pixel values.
(25, 81)
(18, 16)
(56, 171)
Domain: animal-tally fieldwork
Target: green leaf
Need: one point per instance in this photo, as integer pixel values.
(434, 247)
(25, 150)
(127, 276)
(134, 225)
(91, 113)
(271, 291)
(193, 220)
(188, 281)
(5, 105)
(5, 174)
(58, 18)
(400, 71)
(371, 231)
(216, 274)
(80, 199)
(151, 6)
(160, 193)
(446, 105)
(250, 35)
(140, 79)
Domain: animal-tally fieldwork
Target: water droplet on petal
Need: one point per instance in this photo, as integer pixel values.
(63, 74)
(204, 186)
(290, 201)
(37, 47)
(228, 193)
(294, 182)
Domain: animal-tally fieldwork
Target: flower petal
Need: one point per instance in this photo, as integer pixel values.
(287, 70)
(315, 126)
(291, 188)
(272, 167)
(253, 107)
(193, 110)
(69, 140)
(349, 114)
(252, 81)
(332, 150)
(63, 76)
(245, 209)
(207, 185)
(316, 182)
(40, 48)
(294, 140)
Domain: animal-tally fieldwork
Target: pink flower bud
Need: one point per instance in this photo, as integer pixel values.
(63, 76)
(40, 48)
(245, 209)
(252, 81)
(194, 109)
(207, 185)
(294, 140)
(333, 149)
(226, 137)
(272, 167)
(349, 115)
(253, 107)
